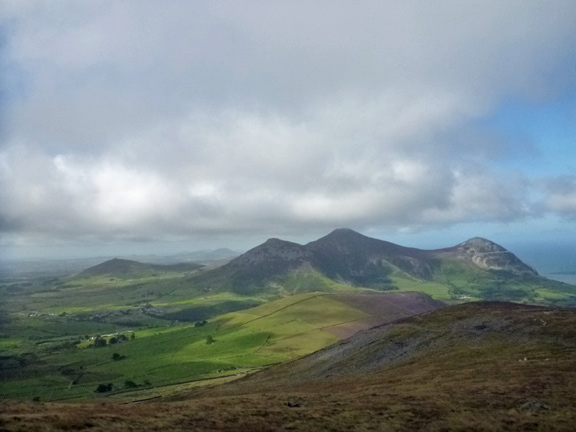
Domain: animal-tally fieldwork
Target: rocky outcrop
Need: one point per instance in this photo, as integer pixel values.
(488, 255)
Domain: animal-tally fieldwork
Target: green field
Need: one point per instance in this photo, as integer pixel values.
(234, 343)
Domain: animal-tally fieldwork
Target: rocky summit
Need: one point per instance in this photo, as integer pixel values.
(489, 256)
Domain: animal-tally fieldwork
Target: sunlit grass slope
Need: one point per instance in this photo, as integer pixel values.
(234, 343)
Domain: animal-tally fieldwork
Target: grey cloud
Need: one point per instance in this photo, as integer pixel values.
(140, 121)
(102, 73)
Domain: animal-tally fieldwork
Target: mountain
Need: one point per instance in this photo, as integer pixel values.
(123, 268)
(354, 258)
(252, 271)
(477, 268)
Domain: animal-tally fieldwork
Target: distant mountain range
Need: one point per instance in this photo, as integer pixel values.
(60, 267)
(348, 257)
(477, 269)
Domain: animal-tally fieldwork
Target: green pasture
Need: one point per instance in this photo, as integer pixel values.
(239, 342)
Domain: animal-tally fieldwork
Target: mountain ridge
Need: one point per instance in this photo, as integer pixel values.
(347, 257)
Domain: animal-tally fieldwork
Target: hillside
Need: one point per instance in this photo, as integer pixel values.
(475, 269)
(461, 337)
(239, 342)
(476, 366)
(484, 366)
(123, 268)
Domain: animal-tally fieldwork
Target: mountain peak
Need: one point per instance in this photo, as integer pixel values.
(272, 249)
(481, 245)
(274, 241)
(345, 232)
(341, 237)
(491, 256)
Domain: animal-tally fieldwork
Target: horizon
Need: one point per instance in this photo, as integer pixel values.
(137, 127)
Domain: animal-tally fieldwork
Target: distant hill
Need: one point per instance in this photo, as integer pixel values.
(123, 268)
(206, 256)
(477, 268)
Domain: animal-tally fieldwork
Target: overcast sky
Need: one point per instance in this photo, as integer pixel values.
(135, 125)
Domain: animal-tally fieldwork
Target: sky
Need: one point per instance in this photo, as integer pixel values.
(161, 126)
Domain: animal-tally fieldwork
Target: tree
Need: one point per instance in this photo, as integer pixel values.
(113, 340)
(117, 357)
(103, 388)
(210, 340)
(99, 342)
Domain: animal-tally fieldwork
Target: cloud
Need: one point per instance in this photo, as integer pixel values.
(133, 120)
(561, 196)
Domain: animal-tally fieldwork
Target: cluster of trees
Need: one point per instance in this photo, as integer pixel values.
(128, 384)
(99, 341)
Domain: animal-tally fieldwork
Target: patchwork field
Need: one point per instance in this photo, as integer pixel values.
(233, 344)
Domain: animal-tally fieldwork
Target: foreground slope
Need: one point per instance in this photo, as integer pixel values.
(458, 339)
(476, 366)
(483, 366)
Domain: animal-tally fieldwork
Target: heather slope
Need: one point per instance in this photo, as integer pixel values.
(458, 340)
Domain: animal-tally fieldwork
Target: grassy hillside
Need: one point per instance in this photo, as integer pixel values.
(239, 342)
